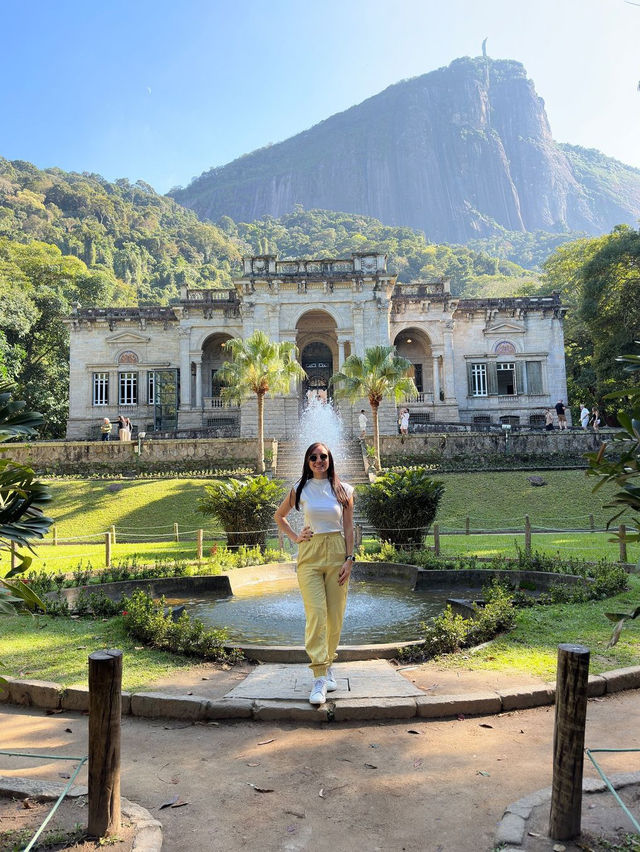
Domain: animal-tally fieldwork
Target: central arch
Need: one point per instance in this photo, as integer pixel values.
(317, 342)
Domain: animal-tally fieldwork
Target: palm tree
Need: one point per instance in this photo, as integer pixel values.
(381, 372)
(259, 366)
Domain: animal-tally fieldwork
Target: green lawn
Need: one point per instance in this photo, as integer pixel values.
(501, 500)
(532, 646)
(589, 546)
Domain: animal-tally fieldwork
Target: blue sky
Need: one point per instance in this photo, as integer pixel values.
(161, 91)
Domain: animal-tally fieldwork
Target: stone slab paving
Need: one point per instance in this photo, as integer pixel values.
(372, 679)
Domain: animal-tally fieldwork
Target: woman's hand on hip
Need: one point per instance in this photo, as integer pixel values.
(345, 572)
(305, 535)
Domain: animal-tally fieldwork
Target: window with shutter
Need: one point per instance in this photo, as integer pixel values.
(534, 377)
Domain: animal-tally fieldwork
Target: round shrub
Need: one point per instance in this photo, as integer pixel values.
(401, 505)
(244, 507)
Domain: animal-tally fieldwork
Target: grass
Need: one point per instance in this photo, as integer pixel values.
(532, 646)
(501, 500)
(589, 546)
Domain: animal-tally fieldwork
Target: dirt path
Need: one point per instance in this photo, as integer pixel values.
(410, 787)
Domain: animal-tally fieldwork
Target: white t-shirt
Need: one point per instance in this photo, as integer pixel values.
(584, 417)
(322, 511)
(404, 420)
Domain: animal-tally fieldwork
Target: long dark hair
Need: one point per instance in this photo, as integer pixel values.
(335, 483)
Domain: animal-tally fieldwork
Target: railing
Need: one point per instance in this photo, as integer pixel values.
(420, 399)
(204, 295)
(217, 402)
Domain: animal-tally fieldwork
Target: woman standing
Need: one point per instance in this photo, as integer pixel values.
(325, 559)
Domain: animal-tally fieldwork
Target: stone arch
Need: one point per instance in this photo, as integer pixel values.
(317, 342)
(414, 344)
(127, 358)
(213, 357)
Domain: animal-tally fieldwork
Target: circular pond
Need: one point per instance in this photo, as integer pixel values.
(271, 613)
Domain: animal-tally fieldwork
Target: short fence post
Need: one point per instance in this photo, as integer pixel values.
(592, 523)
(568, 741)
(436, 539)
(357, 538)
(467, 526)
(105, 706)
(14, 556)
(199, 546)
(113, 535)
(527, 535)
(622, 534)
(55, 534)
(107, 550)
(176, 534)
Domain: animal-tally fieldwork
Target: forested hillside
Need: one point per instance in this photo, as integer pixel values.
(127, 231)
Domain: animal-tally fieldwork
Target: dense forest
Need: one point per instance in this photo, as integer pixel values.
(70, 238)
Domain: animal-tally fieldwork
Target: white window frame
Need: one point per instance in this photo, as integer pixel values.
(479, 379)
(100, 389)
(127, 388)
(151, 388)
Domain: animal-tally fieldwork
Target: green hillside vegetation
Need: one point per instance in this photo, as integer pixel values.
(127, 231)
(324, 233)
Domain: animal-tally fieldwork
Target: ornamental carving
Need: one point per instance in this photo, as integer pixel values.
(505, 348)
(128, 357)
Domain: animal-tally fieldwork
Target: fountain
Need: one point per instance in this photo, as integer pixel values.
(321, 422)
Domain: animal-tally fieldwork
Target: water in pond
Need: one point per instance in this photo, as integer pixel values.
(272, 613)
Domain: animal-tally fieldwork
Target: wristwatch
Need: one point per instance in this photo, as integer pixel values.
(351, 557)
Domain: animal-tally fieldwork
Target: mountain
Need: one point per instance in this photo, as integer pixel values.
(461, 153)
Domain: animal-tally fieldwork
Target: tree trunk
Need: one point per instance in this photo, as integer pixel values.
(376, 434)
(260, 465)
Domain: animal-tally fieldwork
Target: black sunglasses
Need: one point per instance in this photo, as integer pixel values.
(314, 457)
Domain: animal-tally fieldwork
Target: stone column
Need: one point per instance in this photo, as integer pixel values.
(447, 364)
(358, 330)
(436, 378)
(341, 351)
(199, 383)
(184, 335)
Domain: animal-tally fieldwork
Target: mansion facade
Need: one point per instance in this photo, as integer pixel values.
(476, 361)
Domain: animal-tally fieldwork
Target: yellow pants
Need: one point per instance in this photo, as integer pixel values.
(319, 563)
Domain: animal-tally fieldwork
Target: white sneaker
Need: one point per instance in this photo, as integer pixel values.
(319, 691)
(331, 680)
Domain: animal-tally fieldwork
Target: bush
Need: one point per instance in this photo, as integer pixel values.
(245, 508)
(401, 505)
(151, 623)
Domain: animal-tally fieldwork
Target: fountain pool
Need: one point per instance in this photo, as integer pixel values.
(271, 612)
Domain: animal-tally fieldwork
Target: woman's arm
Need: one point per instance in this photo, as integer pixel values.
(280, 518)
(347, 523)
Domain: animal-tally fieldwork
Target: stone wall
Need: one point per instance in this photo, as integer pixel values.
(478, 449)
(121, 456)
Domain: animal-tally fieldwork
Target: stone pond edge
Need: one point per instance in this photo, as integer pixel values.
(52, 696)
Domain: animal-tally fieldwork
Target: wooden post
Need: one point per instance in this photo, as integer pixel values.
(568, 741)
(436, 539)
(622, 533)
(592, 523)
(113, 535)
(107, 550)
(527, 535)
(14, 556)
(357, 535)
(55, 534)
(467, 526)
(176, 534)
(199, 547)
(105, 707)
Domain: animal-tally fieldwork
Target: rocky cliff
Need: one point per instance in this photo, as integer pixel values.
(457, 153)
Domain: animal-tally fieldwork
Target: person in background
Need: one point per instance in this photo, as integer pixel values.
(548, 420)
(562, 417)
(325, 559)
(595, 419)
(404, 422)
(105, 429)
(584, 416)
(124, 431)
(362, 423)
